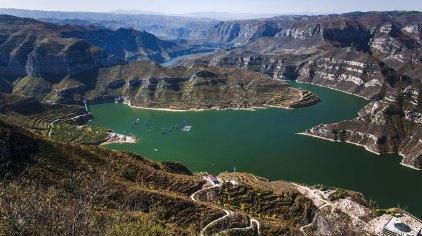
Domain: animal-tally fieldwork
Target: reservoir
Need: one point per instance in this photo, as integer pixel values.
(265, 142)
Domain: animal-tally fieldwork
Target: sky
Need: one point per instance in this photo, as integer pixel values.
(231, 6)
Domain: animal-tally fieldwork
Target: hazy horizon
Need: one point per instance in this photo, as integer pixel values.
(216, 6)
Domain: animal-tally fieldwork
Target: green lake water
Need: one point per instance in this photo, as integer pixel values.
(265, 143)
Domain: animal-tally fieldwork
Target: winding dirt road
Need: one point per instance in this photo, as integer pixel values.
(227, 214)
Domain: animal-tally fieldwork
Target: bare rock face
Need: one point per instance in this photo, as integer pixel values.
(347, 70)
(242, 32)
(39, 49)
(382, 127)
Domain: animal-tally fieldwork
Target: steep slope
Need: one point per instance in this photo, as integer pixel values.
(129, 44)
(46, 183)
(34, 48)
(50, 51)
(110, 190)
(391, 125)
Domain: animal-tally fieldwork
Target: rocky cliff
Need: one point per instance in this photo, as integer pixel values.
(391, 125)
(50, 51)
(34, 48)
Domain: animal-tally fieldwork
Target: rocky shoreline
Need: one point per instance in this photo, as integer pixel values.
(372, 129)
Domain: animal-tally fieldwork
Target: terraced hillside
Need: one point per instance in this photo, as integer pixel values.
(33, 115)
(62, 123)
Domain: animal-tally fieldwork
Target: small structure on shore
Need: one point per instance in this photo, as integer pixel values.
(403, 225)
(213, 179)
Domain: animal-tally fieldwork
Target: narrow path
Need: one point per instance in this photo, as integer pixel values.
(227, 214)
(52, 127)
(252, 221)
(326, 203)
(310, 224)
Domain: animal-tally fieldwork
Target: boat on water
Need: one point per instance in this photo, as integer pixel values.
(155, 150)
(186, 128)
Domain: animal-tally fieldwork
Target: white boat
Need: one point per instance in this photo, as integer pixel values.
(155, 150)
(187, 128)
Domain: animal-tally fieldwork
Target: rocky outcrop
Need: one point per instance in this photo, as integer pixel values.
(127, 44)
(347, 70)
(279, 67)
(382, 127)
(241, 32)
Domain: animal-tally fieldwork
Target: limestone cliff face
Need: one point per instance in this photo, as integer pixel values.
(384, 127)
(34, 48)
(126, 44)
(389, 35)
(275, 67)
(346, 70)
(241, 32)
(74, 59)
(40, 49)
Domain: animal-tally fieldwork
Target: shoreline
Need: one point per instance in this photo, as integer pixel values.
(115, 138)
(337, 141)
(210, 109)
(335, 89)
(360, 145)
(407, 165)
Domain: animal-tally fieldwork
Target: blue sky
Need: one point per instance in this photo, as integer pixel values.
(232, 6)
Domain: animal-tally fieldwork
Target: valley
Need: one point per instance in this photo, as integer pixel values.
(222, 140)
(326, 108)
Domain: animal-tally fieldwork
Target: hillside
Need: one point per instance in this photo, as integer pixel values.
(150, 85)
(153, 86)
(109, 192)
(115, 190)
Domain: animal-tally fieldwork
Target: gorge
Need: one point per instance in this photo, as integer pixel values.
(330, 103)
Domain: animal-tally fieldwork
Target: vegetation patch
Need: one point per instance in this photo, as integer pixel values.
(67, 132)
